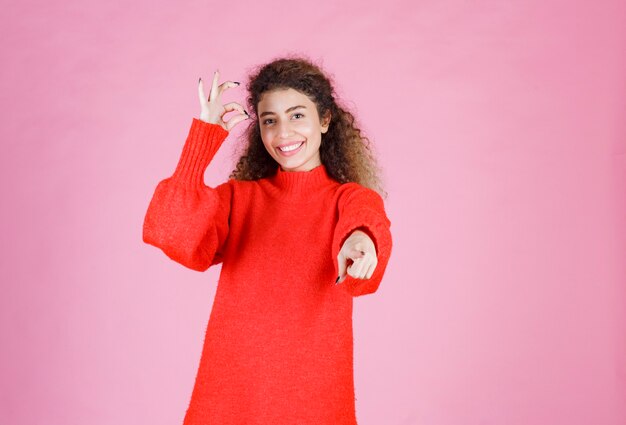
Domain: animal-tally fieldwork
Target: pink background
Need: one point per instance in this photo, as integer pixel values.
(501, 128)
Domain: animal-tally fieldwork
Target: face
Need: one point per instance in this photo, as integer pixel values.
(291, 129)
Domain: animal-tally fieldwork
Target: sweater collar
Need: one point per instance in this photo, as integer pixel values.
(301, 181)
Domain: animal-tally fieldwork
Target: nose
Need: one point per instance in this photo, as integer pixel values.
(284, 129)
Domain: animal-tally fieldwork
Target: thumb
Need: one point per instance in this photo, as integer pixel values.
(355, 254)
(235, 120)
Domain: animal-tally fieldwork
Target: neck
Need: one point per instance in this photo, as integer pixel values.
(304, 182)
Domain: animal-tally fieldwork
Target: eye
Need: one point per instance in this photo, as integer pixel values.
(266, 121)
(298, 113)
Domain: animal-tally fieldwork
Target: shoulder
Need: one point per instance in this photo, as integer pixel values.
(233, 184)
(237, 188)
(353, 192)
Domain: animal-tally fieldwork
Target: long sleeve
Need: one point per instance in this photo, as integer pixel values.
(187, 219)
(363, 208)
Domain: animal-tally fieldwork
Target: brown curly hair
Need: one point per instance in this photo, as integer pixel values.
(344, 151)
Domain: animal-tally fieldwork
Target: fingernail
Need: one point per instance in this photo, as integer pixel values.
(337, 281)
(246, 112)
(199, 79)
(237, 82)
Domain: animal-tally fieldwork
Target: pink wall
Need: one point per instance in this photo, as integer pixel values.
(500, 126)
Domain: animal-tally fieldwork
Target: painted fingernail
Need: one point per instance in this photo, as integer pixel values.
(199, 79)
(236, 82)
(246, 112)
(337, 281)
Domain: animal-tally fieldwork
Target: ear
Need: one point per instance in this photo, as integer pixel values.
(326, 122)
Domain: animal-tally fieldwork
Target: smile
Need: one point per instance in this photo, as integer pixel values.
(290, 147)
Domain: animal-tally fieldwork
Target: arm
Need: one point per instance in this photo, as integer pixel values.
(361, 208)
(186, 219)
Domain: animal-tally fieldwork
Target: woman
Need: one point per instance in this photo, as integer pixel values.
(299, 230)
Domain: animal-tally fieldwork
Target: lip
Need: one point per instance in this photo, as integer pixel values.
(293, 152)
(294, 142)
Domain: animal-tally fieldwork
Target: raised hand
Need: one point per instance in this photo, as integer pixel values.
(359, 248)
(211, 108)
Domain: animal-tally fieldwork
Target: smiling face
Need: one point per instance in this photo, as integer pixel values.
(291, 129)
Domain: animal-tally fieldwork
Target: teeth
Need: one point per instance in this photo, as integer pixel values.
(290, 148)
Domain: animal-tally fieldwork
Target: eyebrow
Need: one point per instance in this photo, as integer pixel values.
(286, 111)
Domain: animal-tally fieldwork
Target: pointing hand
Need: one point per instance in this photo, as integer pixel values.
(359, 248)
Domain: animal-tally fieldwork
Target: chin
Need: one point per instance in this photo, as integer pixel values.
(290, 167)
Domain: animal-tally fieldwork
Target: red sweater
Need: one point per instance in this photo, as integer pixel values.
(278, 347)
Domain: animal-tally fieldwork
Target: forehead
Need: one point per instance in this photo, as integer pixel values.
(278, 100)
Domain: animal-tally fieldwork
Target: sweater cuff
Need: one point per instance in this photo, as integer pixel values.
(368, 222)
(203, 141)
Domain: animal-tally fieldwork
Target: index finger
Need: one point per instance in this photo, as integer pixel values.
(214, 93)
(201, 94)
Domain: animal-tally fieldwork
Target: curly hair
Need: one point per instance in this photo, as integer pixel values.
(345, 151)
